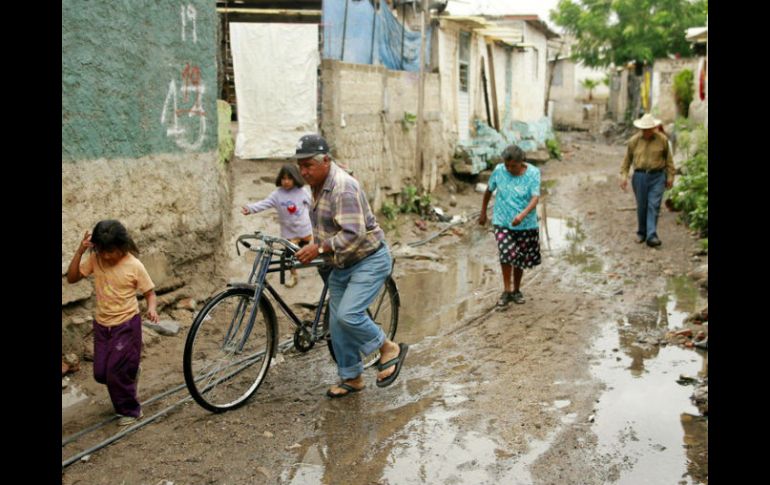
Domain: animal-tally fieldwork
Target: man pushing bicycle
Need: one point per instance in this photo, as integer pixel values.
(347, 236)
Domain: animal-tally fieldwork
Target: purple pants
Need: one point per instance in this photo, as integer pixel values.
(117, 351)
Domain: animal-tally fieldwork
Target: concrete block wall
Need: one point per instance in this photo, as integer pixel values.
(663, 72)
(139, 138)
(363, 112)
(529, 81)
(449, 79)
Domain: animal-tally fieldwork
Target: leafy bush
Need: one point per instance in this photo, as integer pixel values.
(388, 210)
(683, 90)
(554, 147)
(409, 120)
(411, 202)
(691, 193)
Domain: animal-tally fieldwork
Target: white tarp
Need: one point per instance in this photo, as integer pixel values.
(276, 70)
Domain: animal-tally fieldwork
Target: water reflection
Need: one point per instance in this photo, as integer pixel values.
(639, 417)
(567, 237)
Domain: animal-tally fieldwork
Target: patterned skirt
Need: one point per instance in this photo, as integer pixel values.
(518, 248)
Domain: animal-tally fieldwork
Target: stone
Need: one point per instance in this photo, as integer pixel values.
(187, 304)
(70, 293)
(538, 156)
(452, 201)
(149, 337)
(164, 327)
(72, 360)
(481, 188)
(462, 168)
(80, 320)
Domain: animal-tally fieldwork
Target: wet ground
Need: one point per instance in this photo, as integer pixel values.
(577, 385)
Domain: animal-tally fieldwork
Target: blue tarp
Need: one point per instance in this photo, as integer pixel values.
(361, 47)
(487, 143)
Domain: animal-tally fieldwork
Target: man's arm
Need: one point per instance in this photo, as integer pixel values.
(626, 165)
(670, 169)
(349, 216)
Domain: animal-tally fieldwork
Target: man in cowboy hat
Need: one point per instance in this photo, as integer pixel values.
(649, 154)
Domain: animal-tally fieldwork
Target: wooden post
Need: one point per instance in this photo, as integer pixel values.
(486, 96)
(344, 31)
(403, 33)
(491, 57)
(374, 26)
(421, 98)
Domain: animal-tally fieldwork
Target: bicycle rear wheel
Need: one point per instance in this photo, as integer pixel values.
(384, 312)
(227, 355)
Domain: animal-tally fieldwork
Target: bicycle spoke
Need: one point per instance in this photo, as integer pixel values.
(228, 339)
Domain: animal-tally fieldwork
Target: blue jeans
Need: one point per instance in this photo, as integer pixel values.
(351, 291)
(648, 189)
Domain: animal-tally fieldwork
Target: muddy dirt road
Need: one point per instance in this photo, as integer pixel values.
(574, 386)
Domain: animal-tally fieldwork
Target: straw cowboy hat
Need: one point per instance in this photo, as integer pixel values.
(646, 122)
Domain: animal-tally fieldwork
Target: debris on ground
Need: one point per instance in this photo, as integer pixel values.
(164, 327)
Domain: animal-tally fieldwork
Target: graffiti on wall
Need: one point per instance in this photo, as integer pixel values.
(183, 114)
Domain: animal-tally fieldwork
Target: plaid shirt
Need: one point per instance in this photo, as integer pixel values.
(341, 217)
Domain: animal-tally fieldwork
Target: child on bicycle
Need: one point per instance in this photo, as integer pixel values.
(292, 203)
(117, 324)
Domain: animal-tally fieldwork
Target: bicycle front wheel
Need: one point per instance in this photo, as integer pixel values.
(384, 312)
(228, 349)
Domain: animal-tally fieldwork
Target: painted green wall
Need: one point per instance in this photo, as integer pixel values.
(124, 64)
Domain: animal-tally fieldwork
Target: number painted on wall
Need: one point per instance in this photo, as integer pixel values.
(183, 114)
(189, 13)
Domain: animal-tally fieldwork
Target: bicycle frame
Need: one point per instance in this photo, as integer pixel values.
(265, 263)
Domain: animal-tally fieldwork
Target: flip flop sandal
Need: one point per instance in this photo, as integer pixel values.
(397, 361)
(350, 390)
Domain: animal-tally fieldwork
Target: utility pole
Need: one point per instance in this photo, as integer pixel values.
(421, 97)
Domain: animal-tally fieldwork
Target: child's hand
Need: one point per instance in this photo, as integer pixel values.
(245, 210)
(152, 314)
(86, 242)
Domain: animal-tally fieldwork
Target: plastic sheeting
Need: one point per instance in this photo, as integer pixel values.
(487, 144)
(276, 70)
(370, 37)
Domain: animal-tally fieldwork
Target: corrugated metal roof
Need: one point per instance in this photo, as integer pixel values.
(507, 35)
(470, 21)
(488, 28)
(697, 34)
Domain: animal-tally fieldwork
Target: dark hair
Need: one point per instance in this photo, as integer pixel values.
(111, 234)
(512, 152)
(290, 171)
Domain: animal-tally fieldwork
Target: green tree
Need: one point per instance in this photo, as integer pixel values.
(589, 84)
(616, 32)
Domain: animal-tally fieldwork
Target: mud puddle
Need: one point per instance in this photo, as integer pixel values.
(648, 429)
(434, 294)
(565, 238)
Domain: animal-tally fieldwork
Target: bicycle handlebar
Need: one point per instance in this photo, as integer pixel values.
(268, 239)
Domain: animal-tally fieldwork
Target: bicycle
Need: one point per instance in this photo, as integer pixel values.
(233, 338)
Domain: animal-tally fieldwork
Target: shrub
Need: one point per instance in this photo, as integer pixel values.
(554, 147)
(683, 90)
(691, 193)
